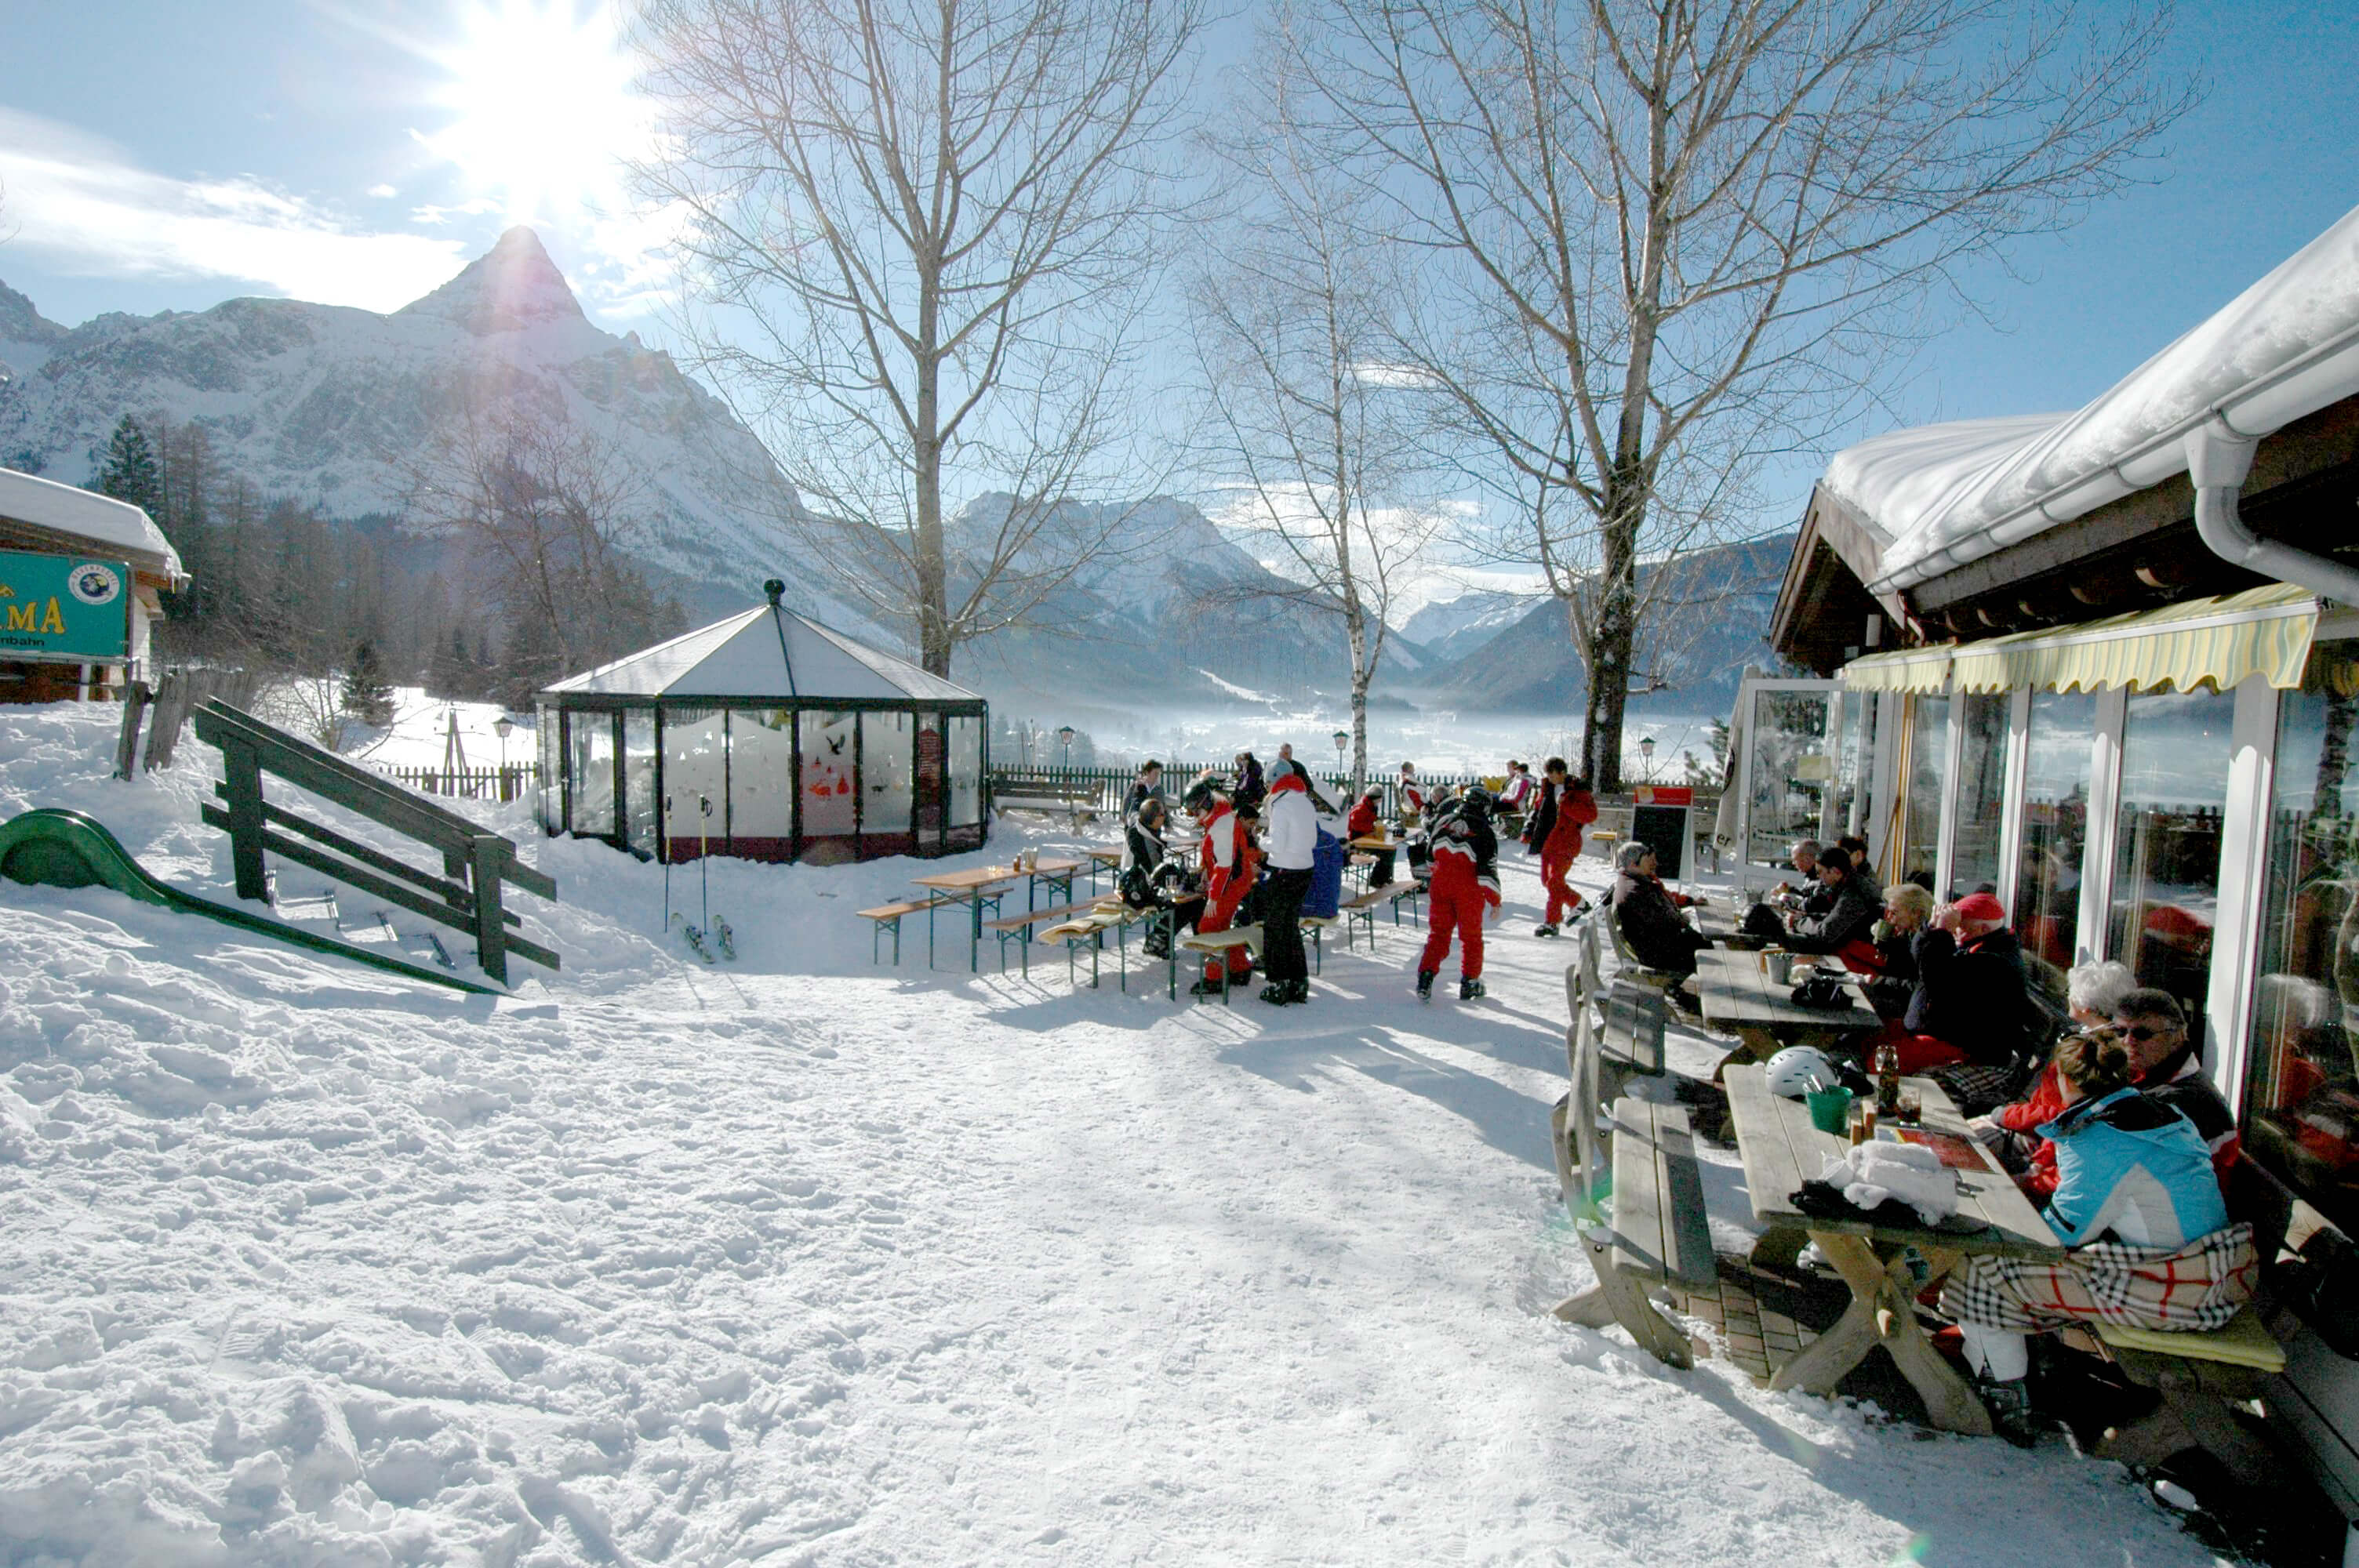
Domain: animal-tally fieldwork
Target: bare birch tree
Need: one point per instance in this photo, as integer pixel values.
(923, 231)
(1667, 238)
(1291, 329)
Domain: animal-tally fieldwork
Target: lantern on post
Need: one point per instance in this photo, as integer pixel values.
(1065, 739)
(504, 727)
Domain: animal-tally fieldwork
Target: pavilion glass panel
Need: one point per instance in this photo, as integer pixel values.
(2166, 891)
(591, 771)
(2301, 1093)
(829, 785)
(966, 782)
(696, 782)
(2062, 734)
(546, 729)
(1792, 773)
(761, 782)
(887, 802)
(1928, 763)
(639, 778)
(1982, 786)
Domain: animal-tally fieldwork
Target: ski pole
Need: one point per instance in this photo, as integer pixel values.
(666, 924)
(703, 859)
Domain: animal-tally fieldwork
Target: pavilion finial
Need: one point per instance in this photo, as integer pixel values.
(773, 590)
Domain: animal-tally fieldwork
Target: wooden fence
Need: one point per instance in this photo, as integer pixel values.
(512, 783)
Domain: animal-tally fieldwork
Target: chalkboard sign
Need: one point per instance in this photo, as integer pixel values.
(1659, 821)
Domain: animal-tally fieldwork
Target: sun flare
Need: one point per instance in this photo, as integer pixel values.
(543, 107)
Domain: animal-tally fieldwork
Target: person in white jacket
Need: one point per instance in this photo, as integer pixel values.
(1291, 824)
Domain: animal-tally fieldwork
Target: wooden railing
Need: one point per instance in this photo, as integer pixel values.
(475, 863)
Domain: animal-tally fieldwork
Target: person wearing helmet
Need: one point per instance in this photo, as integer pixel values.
(1228, 862)
(1464, 891)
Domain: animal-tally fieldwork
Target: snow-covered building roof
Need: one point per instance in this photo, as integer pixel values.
(48, 514)
(768, 653)
(1946, 495)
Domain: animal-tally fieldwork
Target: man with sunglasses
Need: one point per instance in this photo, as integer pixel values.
(2165, 1066)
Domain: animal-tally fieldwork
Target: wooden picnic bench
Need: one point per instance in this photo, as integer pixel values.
(1018, 928)
(1780, 1149)
(1740, 993)
(1081, 802)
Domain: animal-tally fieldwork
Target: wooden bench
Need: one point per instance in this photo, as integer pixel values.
(1208, 943)
(1360, 910)
(1079, 801)
(1091, 928)
(1635, 1191)
(1631, 968)
(2201, 1375)
(888, 917)
(1018, 928)
(1407, 891)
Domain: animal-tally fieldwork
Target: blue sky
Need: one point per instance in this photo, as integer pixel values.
(171, 155)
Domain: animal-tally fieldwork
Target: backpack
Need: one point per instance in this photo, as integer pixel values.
(1326, 894)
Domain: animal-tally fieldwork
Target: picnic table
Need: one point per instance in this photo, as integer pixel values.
(980, 885)
(1106, 861)
(1781, 1148)
(1747, 994)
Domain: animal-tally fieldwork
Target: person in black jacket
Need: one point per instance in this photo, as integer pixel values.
(1970, 1004)
(1651, 924)
(1852, 909)
(1247, 796)
(1148, 784)
(1149, 878)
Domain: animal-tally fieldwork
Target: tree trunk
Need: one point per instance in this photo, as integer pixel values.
(1612, 636)
(933, 573)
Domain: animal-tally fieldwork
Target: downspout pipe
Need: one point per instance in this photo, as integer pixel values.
(2218, 459)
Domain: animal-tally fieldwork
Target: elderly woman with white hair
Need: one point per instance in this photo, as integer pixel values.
(1649, 916)
(2091, 993)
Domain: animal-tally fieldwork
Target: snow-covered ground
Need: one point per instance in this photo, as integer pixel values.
(799, 1260)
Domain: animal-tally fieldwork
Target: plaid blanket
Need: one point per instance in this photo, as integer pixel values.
(2197, 1286)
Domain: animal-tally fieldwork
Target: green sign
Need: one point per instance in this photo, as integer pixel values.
(65, 608)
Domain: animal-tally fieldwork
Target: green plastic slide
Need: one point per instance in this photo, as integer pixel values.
(52, 847)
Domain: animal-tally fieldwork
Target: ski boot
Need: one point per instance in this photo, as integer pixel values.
(1544, 930)
(1425, 985)
(1470, 991)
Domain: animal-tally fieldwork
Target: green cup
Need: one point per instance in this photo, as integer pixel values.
(1830, 1110)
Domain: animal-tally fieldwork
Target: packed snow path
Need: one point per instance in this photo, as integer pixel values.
(799, 1262)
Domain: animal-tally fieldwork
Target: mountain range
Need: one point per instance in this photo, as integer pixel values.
(322, 404)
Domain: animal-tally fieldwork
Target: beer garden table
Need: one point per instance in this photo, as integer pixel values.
(983, 884)
(1781, 1148)
(1741, 993)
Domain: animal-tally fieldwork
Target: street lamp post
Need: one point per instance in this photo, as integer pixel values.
(504, 727)
(1342, 739)
(1647, 756)
(1065, 739)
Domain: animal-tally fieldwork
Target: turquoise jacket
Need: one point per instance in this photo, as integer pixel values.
(2134, 1169)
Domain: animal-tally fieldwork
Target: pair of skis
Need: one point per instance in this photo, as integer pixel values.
(714, 933)
(703, 940)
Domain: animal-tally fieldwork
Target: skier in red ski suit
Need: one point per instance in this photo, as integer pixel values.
(1465, 888)
(1228, 862)
(1566, 807)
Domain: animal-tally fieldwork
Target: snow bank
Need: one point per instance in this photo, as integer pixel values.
(1949, 493)
(802, 1261)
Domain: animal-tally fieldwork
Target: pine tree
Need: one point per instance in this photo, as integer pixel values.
(129, 471)
(368, 695)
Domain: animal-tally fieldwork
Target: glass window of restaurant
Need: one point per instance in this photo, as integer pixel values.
(1982, 786)
(2301, 1097)
(2166, 887)
(1929, 762)
(2061, 736)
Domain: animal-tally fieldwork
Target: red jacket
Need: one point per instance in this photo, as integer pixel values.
(1362, 821)
(1575, 809)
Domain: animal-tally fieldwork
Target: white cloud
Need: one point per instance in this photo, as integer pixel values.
(85, 205)
(383, 192)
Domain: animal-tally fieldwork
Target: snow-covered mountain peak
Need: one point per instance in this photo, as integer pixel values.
(511, 286)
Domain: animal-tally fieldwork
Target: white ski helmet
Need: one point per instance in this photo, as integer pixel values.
(1791, 1072)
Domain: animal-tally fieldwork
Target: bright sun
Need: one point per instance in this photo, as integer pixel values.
(543, 107)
